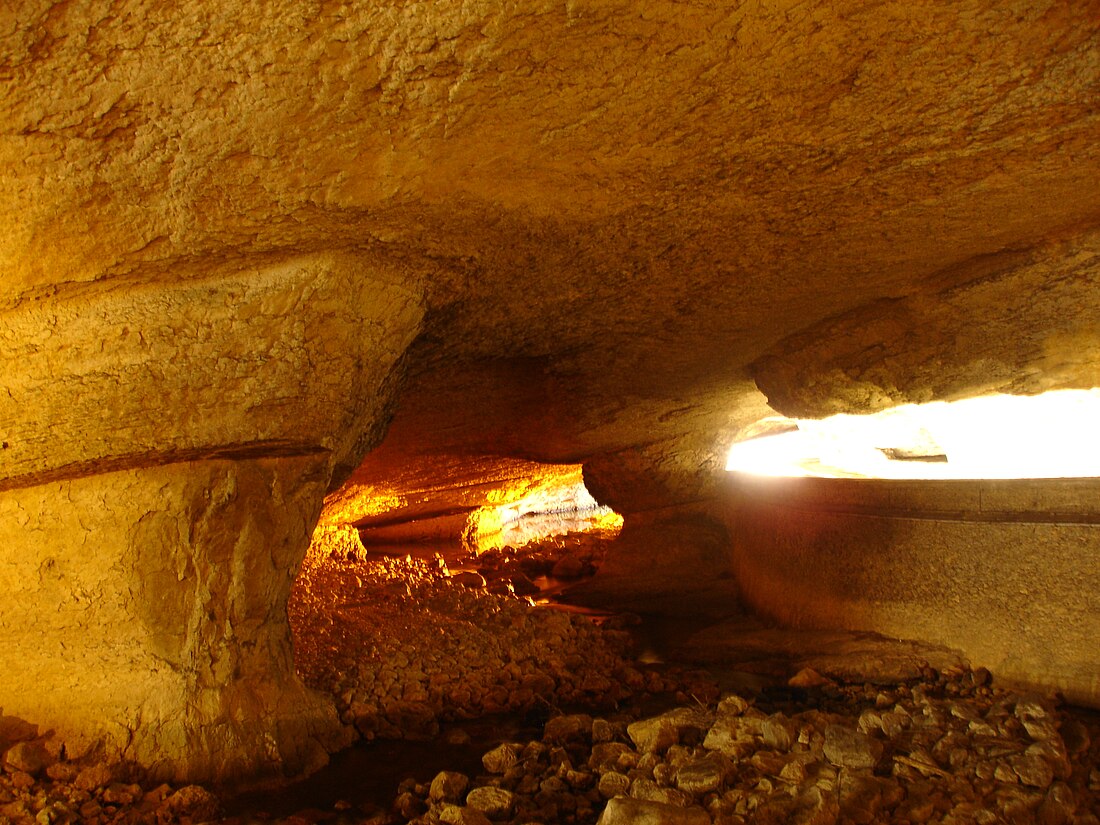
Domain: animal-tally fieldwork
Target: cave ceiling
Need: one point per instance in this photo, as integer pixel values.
(616, 214)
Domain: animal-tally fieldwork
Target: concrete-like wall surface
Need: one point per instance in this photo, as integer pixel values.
(1006, 571)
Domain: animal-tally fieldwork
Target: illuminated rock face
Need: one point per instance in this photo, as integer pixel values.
(167, 449)
(147, 609)
(1004, 570)
(1015, 322)
(579, 230)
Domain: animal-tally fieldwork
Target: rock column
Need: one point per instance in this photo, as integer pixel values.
(165, 451)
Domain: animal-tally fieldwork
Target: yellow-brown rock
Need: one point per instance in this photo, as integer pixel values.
(146, 610)
(166, 448)
(1018, 322)
(235, 238)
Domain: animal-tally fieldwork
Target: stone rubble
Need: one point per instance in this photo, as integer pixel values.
(39, 784)
(405, 643)
(949, 750)
(403, 647)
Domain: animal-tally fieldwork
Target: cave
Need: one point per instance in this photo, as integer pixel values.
(396, 385)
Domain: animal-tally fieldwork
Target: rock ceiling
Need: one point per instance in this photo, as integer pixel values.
(631, 202)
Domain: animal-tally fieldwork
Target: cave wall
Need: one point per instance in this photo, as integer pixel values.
(1018, 322)
(1004, 570)
(239, 240)
(166, 453)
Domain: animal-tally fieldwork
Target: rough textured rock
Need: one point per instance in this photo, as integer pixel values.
(623, 811)
(229, 411)
(847, 748)
(222, 237)
(658, 733)
(1005, 317)
(292, 358)
(170, 641)
(675, 562)
(999, 569)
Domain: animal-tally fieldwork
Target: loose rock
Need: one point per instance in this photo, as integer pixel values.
(626, 811)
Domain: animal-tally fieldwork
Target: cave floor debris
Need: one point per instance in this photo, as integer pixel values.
(478, 698)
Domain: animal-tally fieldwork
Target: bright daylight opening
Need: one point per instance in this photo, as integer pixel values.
(1052, 435)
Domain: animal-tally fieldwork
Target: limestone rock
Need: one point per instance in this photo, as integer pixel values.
(703, 774)
(448, 786)
(460, 815)
(1033, 770)
(656, 734)
(776, 733)
(13, 729)
(495, 803)
(568, 728)
(733, 705)
(849, 748)
(733, 735)
(613, 783)
(612, 756)
(238, 245)
(194, 802)
(1017, 298)
(29, 757)
(626, 811)
(1058, 805)
(500, 758)
(807, 677)
(862, 796)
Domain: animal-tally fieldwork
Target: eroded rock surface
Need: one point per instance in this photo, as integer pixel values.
(166, 453)
(224, 229)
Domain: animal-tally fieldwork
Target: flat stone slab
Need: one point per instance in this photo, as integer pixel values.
(837, 654)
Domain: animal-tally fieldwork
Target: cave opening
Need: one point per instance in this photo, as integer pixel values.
(1000, 436)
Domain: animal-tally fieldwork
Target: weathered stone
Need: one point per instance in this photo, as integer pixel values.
(94, 776)
(30, 757)
(602, 731)
(862, 797)
(627, 811)
(815, 806)
(703, 774)
(460, 815)
(808, 678)
(500, 758)
(612, 756)
(776, 733)
(1058, 806)
(1033, 770)
(849, 748)
(613, 783)
(201, 496)
(408, 805)
(733, 705)
(656, 734)
(653, 791)
(468, 578)
(435, 148)
(568, 728)
(495, 803)
(448, 786)
(13, 729)
(194, 802)
(731, 735)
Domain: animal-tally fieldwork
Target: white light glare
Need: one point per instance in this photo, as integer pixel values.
(1052, 435)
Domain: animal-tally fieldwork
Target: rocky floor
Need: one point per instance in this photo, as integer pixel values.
(946, 750)
(405, 643)
(569, 726)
